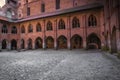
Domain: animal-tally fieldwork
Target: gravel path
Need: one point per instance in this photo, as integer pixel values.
(58, 65)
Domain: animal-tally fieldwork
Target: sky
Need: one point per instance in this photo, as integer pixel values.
(2, 2)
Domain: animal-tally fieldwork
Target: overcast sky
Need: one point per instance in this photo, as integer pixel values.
(2, 2)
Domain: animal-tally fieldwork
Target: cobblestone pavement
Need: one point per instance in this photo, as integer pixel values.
(58, 65)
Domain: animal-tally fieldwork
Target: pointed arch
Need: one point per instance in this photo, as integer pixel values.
(49, 26)
(22, 29)
(62, 42)
(38, 27)
(38, 43)
(93, 41)
(4, 44)
(13, 44)
(61, 24)
(76, 42)
(50, 42)
(75, 23)
(14, 30)
(92, 21)
(4, 29)
(30, 28)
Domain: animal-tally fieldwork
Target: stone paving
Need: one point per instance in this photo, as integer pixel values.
(59, 65)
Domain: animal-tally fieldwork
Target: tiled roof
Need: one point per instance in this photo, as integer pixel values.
(60, 12)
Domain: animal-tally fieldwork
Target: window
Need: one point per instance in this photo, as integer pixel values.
(42, 7)
(75, 23)
(4, 29)
(61, 24)
(92, 21)
(14, 30)
(28, 11)
(38, 28)
(22, 29)
(49, 26)
(57, 4)
(30, 28)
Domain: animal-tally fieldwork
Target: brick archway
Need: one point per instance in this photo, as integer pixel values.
(76, 42)
(4, 44)
(13, 44)
(62, 42)
(50, 42)
(93, 41)
(38, 43)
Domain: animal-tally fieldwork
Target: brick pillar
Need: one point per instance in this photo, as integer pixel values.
(69, 32)
(55, 34)
(44, 35)
(84, 23)
(18, 44)
(33, 44)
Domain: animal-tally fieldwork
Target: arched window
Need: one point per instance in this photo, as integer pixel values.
(75, 23)
(22, 29)
(61, 24)
(14, 30)
(30, 28)
(4, 29)
(92, 21)
(38, 28)
(49, 26)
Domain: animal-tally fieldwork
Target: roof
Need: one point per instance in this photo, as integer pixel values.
(60, 12)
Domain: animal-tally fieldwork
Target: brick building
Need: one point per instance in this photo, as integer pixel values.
(56, 24)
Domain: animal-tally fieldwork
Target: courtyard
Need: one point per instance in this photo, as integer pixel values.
(59, 65)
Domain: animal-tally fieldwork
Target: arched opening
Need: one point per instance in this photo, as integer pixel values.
(4, 44)
(114, 41)
(22, 44)
(93, 42)
(22, 29)
(75, 23)
(50, 42)
(49, 26)
(14, 30)
(13, 44)
(92, 21)
(61, 24)
(4, 29)
(29, 43)
(76, 42)
(62, 42)
(38, 27)
(38, 43)
(30, 28)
